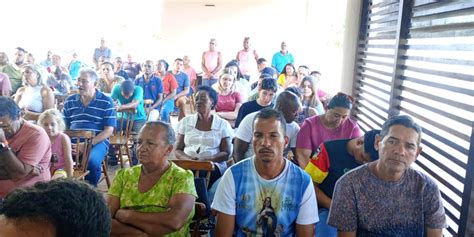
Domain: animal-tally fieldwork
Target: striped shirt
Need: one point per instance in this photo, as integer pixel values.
(100, 113)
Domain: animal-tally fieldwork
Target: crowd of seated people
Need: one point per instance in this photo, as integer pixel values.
(289, 160)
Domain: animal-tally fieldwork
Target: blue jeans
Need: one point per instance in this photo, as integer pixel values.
(322, 228)
(168, 107)
(208, 82)
(94, 166)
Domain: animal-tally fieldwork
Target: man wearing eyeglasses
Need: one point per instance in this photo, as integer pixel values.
(25, 150)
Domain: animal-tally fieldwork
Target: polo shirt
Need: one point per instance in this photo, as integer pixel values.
(100, 113)
(150, 89)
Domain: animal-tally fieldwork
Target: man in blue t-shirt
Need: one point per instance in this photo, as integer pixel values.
(182, 92)
(91, 110)
(332, 160)
(266, 92)
(266, 195)
(152, 89)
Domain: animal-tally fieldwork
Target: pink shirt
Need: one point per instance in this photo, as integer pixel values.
(31, 146)
(5, 84)
(226, 103)
(321, 93)
(247, 61)
(192, 76)
(211, 59)
(58, 150)
(313, 133)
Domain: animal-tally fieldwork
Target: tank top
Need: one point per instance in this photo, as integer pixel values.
(31, 99)
(247, 62)
(57, 150)
(210, 60)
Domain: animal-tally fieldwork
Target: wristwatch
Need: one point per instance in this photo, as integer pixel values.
(4, 146)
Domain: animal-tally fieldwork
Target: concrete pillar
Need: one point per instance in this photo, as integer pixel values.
(349, 44)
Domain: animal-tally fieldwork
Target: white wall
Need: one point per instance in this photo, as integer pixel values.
(151, 29)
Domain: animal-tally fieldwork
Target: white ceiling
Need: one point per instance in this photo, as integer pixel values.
(214, 2)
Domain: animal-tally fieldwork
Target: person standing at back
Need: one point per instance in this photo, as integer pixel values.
(281, 58)
(247, 59)
(211, 64)
(103, 51)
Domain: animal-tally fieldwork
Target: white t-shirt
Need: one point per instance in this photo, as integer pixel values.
(275, 204)
(245, 133)
(199, 143)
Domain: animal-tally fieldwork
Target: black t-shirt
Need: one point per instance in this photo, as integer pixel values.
(247, 108)
(329, 163)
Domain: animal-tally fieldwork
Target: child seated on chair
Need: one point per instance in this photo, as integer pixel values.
(61, 163)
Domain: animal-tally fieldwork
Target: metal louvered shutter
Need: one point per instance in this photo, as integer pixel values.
(417, 58)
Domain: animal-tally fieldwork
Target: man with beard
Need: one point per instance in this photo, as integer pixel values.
(20, 56)
(265, 191)
(288, 104)
(13, 72)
